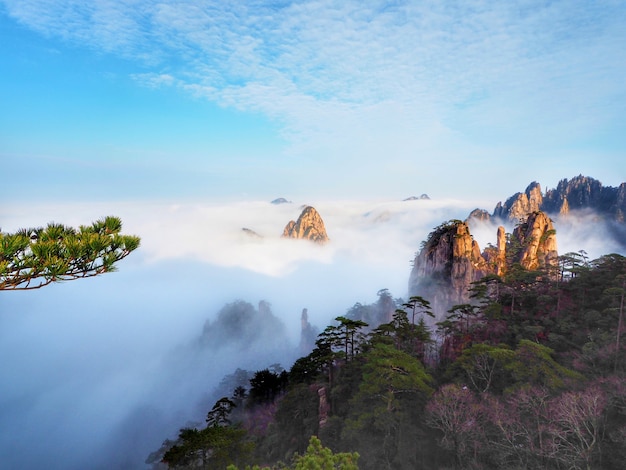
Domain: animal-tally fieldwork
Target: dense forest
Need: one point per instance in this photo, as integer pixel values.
(529, 374)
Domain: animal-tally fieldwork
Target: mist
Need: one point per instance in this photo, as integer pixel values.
(98, 372)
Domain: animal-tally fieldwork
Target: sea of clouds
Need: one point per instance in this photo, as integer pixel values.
(98, 372)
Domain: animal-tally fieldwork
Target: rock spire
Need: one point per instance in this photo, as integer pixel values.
(450, 259)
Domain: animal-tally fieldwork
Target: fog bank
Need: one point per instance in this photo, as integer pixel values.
(98, 372)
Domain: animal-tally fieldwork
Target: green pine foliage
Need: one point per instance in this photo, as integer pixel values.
(35, 257)
(531, 374)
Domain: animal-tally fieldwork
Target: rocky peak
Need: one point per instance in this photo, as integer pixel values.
(620, 203)
(281, 200)
(520, 204)
(582, 192)
(495, 256)
(250, 232)
(480, 215)
(308, 333)
(537, 242)
(423, 197)
(309, 226)
(450, 259)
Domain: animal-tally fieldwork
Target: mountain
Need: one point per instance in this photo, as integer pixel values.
(281, 200)
(239, 324)
(581, 192)
(520, 204)
(537, 243)
(309, 226)
(450, 259)
(423, 197)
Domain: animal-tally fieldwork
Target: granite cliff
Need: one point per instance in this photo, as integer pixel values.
(578, 193)
(537, 242)
(520, 204)
(450, 259)
(309, 226)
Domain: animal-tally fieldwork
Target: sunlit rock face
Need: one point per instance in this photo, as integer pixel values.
(448, 263)
(450, 259)
(495, 256)
(580, 196)
(537, 239)
(501, 251)
(309, 226)
(519, 205)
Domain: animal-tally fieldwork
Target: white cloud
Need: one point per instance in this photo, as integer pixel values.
(102, 362)
(525, 69)
(364, 232)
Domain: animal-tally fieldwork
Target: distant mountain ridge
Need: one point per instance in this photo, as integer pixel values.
(450, 259)
(578, 193)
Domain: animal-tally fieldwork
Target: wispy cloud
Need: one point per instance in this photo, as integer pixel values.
(320, 67)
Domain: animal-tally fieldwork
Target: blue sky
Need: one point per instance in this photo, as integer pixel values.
(210, 100)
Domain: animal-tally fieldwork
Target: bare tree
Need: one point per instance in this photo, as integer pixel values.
(455, 411)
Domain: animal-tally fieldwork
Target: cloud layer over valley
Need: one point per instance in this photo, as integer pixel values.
(98, 372)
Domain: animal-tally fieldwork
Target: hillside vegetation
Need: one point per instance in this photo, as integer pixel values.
(529, 374)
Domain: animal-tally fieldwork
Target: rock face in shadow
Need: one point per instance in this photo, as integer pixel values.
(450, 259)
(423, 197)
(281, 200)
(309, 226)
(578, 193)
(583, 192)
(480, 215)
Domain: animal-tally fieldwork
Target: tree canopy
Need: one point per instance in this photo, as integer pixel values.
(535, 383)
(35, 257)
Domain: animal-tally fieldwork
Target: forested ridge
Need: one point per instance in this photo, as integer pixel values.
(529, 374)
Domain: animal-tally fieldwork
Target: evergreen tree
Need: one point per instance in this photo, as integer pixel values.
(35, 257)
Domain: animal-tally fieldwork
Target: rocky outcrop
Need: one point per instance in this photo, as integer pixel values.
(250, 232)
(500, 264)
(308, 334)
(423, 197)
(323, 407)
(480, 215)
(620, 203)
(537, 242)
(495, 256)
(240, 325)
(450, 259)
(583, 192)
(281, 200)
(520, 204)
(580, 192)
(309, 226)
